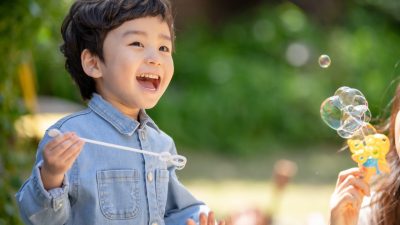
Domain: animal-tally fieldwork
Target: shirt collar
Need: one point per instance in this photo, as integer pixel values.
(145, 119)
(121, 122)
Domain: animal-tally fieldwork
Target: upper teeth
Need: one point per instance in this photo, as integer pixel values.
(149, 75)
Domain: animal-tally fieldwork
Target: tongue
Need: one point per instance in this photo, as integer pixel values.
(146, 83)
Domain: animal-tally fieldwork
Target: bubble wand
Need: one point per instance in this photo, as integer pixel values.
(347, 112)
(178, 161)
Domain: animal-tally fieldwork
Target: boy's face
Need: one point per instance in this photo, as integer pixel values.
(137, 65)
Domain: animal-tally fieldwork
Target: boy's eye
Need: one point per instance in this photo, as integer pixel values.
(164, 49)
(137, 44)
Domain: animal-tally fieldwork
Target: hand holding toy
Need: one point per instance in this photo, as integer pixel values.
(178, 161)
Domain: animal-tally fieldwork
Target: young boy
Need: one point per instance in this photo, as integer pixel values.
(119, 53)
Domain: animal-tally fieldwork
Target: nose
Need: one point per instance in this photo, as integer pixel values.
(152, 58)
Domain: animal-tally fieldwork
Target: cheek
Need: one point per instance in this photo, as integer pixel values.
(170, 67)
(172, 70)
(169, 72)
(125, 66)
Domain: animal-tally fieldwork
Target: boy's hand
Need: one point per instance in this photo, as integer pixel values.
(58, 156)
(204, 220)
(347, 198)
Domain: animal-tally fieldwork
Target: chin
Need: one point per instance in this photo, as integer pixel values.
(149, 105)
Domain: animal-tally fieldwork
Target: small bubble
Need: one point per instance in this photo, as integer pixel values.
(324, 61)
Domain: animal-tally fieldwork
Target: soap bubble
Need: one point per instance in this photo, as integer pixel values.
(331, 112)
(346, 112)
(324, 61)
(364, 131)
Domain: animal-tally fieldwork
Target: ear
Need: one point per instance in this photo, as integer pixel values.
(91, 64)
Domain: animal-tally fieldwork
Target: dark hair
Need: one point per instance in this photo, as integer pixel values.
(87, 24)
(386, 201)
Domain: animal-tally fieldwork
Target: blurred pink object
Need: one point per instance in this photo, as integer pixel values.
(283, 171)
(250, 217)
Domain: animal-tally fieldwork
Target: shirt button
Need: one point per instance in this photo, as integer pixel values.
(150, 176)
(154, 223)
(143, 135)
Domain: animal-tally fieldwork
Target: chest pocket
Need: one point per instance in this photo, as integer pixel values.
(162, 178)
(118, 193)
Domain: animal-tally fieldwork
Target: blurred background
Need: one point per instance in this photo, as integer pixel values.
(243, 105)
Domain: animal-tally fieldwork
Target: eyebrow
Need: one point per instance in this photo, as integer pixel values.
(142, 33)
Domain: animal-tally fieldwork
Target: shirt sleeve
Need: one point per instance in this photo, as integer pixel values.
(364, 217)
(39, 206)
(181, 205)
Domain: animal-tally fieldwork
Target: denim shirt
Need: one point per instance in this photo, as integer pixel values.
(106, 185)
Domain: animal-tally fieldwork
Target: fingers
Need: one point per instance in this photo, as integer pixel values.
(64, 147)
(58, 140)
(59, 145)
(71, 148)
(356, 172)
(74, 151)
(190, 222)
(229, 221)
(351, 196)
(60, 153)
(205, 220)
(360, 184)
(349, 193)
(211, 220)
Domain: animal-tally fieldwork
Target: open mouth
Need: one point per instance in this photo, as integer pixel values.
(149, 81)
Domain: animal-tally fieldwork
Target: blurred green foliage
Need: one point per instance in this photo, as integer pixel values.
(20, 26)
(251, 85)
(255, 83)
(391, 7)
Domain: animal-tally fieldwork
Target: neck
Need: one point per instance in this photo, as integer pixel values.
(128, 111)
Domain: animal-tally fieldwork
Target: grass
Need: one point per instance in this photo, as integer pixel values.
(299, 203)
(318, 165)
(231, 184)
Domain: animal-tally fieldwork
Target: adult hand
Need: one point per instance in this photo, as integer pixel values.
(346, 200)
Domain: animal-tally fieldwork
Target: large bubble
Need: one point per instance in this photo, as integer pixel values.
(346, 112)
